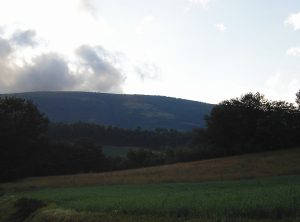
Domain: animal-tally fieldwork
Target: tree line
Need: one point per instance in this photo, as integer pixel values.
(159, 138)
(251, 123)
(32, 146)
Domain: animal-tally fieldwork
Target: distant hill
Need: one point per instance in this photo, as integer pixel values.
(126, 111)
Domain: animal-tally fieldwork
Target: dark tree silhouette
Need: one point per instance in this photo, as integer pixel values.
(252, 123)
(22, 128)
(232, 123)
(298, 98)
(21, 121)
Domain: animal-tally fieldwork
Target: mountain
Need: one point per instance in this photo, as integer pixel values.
(126, 111)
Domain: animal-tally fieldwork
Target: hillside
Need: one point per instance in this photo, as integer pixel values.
(273, 163)
(126, 111)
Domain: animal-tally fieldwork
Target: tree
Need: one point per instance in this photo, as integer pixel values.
(252, 123)
(298, 98)
(232, 123)
(20, 121)
(22, 127)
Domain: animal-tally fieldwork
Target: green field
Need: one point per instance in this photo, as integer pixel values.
(255, 187)
(270, 198)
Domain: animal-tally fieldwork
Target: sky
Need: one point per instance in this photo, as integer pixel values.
(203, 50)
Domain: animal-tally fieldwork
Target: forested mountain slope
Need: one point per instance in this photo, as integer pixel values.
(126, 111)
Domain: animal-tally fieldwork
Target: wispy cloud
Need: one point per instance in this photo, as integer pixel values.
(203, 3)
(192, 3)
(293, 20)
(148, 71)
(88, 6)
(293, 51)
(221, 27)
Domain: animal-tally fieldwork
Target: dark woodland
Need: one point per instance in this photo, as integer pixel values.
(32, 146)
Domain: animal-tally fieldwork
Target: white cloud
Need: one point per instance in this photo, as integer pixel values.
(37, 46)
(92, 69)
(221, 27)
(191, 3)
(148, 71)
(63, 24)
(293, 51)
(98, 71)
(294, 21)
(203, 3)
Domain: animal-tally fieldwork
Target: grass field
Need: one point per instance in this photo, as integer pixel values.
(270, 198)
(256, 187)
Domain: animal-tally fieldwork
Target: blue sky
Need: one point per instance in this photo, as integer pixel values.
(205, 50)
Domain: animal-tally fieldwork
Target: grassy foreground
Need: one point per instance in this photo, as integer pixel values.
(257, 187)
(261, 199)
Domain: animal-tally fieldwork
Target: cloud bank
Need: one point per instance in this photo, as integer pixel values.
(24, 38)
(5, 48)
(98, 71)
(92, 68)
(89, 68)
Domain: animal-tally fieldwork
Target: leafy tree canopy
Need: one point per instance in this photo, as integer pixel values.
(20, 121)
(252, 123)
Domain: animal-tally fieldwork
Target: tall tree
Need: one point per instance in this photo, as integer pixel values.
(232, 123)
(22, 127)
(252, 123)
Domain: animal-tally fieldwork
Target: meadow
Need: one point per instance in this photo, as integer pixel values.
(253, 187)
(276, 198)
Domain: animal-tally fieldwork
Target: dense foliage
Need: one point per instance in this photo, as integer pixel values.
(29, 149)
(108, 135)
(247, 124)
(22, 130)
(252, 123)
